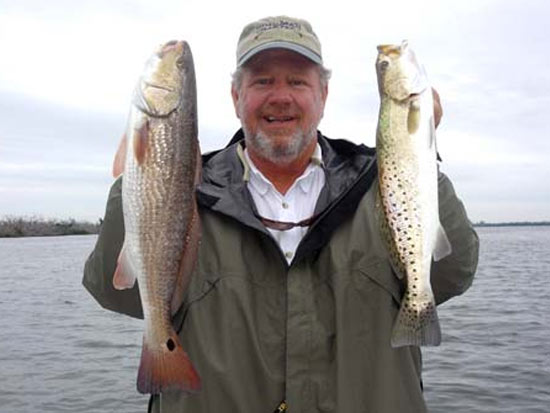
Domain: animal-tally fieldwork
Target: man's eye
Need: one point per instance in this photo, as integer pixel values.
(297, 82)
(262, 81)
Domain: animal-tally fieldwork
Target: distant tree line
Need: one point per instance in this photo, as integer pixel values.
(39, 227)
(511, 224)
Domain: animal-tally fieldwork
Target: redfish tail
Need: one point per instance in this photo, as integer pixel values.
(416, 327)
(166, 368)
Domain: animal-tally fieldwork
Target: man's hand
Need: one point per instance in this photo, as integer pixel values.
(438, 111)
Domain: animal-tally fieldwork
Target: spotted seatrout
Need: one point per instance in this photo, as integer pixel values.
(160, 160)
(408, 198)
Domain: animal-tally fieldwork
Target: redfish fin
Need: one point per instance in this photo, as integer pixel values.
(198, 167)
(124, 277)
(120, 157)
(141, 142)
(166, 368)
(424, 330)
(442, 245)
(188, 260)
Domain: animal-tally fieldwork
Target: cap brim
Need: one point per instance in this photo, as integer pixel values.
(281, 45)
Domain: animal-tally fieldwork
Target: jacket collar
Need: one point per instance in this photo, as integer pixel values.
(350, 169)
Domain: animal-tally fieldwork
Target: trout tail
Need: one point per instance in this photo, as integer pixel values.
(166, 367)
(416, 324)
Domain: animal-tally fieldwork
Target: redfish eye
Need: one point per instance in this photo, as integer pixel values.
(180, 62)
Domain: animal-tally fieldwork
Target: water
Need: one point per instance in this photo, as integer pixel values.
(60, 352)
(495, 355)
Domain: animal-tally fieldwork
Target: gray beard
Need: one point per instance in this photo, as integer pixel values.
(285, 152)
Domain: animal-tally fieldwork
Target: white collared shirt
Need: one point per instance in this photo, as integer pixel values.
(296, 205)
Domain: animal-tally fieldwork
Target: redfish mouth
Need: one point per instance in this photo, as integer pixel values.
(157, 86)
(169, 46)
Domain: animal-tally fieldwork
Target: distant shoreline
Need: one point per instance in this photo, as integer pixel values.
(513, 224)
(16, 227)
(13, 227)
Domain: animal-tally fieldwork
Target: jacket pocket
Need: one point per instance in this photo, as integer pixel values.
(382, 275)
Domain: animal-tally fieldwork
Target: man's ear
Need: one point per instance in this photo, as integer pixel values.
(235, 97)
(324, 94)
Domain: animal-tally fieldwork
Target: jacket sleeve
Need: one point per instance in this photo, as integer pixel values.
(454, 274)
(100, 265)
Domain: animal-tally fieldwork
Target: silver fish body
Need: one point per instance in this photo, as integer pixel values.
(161, 170)
(408, 190)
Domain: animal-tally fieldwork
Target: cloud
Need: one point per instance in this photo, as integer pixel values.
(69, 68)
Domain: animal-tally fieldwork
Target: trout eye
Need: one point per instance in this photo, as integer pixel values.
(170, 344)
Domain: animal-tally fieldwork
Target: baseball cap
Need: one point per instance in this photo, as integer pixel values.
(279, 32)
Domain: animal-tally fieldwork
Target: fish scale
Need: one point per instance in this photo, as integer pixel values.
(407, 190)
(161, 169)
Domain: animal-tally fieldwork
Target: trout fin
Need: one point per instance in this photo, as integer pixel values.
(124, 277)
(166, 368)
(141, 141)
(188, 260)
(416, 328)
(413, 118)
(442, 244)
(120, 157)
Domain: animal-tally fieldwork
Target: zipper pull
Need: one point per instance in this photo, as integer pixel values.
(281, 408)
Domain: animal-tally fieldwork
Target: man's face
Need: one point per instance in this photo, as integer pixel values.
(280, 104)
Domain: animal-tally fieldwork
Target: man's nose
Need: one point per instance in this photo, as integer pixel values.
(280, 93)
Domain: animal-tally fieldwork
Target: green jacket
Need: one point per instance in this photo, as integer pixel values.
(315, 333)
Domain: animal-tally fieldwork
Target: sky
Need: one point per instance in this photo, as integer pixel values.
(68, 68)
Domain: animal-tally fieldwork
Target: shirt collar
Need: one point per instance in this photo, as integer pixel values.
(305, 181)
(256, 178)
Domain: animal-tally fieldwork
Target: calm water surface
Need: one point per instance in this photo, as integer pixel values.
(60, 352)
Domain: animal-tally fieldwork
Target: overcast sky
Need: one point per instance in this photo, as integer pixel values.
(68, 69)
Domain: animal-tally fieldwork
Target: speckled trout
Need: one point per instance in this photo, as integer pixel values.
(160, 160)
(408, 198)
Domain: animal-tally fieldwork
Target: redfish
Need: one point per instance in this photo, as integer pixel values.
(160, 160)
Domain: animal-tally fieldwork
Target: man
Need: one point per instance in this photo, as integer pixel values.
(293, 298)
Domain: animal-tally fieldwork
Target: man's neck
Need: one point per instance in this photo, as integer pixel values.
(283, 175)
